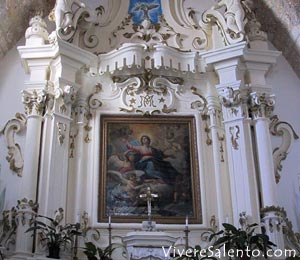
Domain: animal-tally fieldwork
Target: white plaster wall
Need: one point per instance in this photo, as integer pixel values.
(286, 87)
(12, 77)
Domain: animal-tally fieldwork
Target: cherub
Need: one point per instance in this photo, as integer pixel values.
(145, 8)
(235, 14)
(63, 12)
(128, 184)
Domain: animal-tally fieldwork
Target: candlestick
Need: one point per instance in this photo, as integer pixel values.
(77, 227)
(186, 221)
(109, 230)
(186, 237)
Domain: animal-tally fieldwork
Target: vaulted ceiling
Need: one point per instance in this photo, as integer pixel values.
(280, 19)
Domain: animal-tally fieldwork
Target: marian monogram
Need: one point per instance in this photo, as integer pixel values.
(147, 101)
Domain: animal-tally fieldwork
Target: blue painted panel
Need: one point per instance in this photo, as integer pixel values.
(145, 9)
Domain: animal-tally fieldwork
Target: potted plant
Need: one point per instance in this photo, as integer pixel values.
(241, 242)
(91, 251)
(54, 234)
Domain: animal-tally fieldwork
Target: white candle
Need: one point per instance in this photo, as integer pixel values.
(109, 220)
(186, 221)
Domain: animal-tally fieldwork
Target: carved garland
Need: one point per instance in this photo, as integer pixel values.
(15, 158)
(201, 106)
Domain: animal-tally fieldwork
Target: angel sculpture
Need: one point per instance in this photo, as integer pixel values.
(59, 215)
(62, 12)
(235, 14)
(145, 8)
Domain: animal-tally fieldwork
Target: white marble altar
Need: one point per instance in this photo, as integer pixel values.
(148, 245)
(208, 65)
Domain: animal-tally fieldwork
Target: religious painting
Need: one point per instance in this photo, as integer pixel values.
(141, 10)
(142, 153)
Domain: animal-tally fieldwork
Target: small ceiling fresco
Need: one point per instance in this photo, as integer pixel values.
(145, 10)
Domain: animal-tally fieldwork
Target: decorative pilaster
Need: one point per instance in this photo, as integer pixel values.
(233, 95)
(81, 119)
(261, 106)
(220, 159)
(67, 63)
(56, 146)
(35, 102)
(26, 209)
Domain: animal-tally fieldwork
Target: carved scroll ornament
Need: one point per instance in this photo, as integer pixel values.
(235, 134)
(14, 156)
(286, 131)
(231, 23)
(147, 93)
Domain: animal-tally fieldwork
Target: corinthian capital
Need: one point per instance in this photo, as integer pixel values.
(34, 101)
(68, 94)
(25, 211)
(261, 104)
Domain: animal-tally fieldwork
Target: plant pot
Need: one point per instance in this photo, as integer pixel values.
(92, 258)
(54, 252)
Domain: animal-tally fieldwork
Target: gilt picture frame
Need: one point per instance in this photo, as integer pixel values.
(157, 152)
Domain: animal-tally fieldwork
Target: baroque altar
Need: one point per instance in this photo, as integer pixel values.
(194, 77)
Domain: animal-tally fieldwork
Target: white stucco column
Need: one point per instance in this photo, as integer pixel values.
(79, 173)
(55, 189)
(26, 210)
(35, 56)
(34, 101)
(228, 66)
(261, 106)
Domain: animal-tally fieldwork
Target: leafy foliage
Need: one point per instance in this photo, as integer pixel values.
(242, 239)
(51, 232)
(91, 251)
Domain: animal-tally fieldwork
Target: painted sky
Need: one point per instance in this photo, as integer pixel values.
(142, 9)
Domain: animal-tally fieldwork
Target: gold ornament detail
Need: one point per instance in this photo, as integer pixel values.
(221, 140)
(235, 134)
(61, 128)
